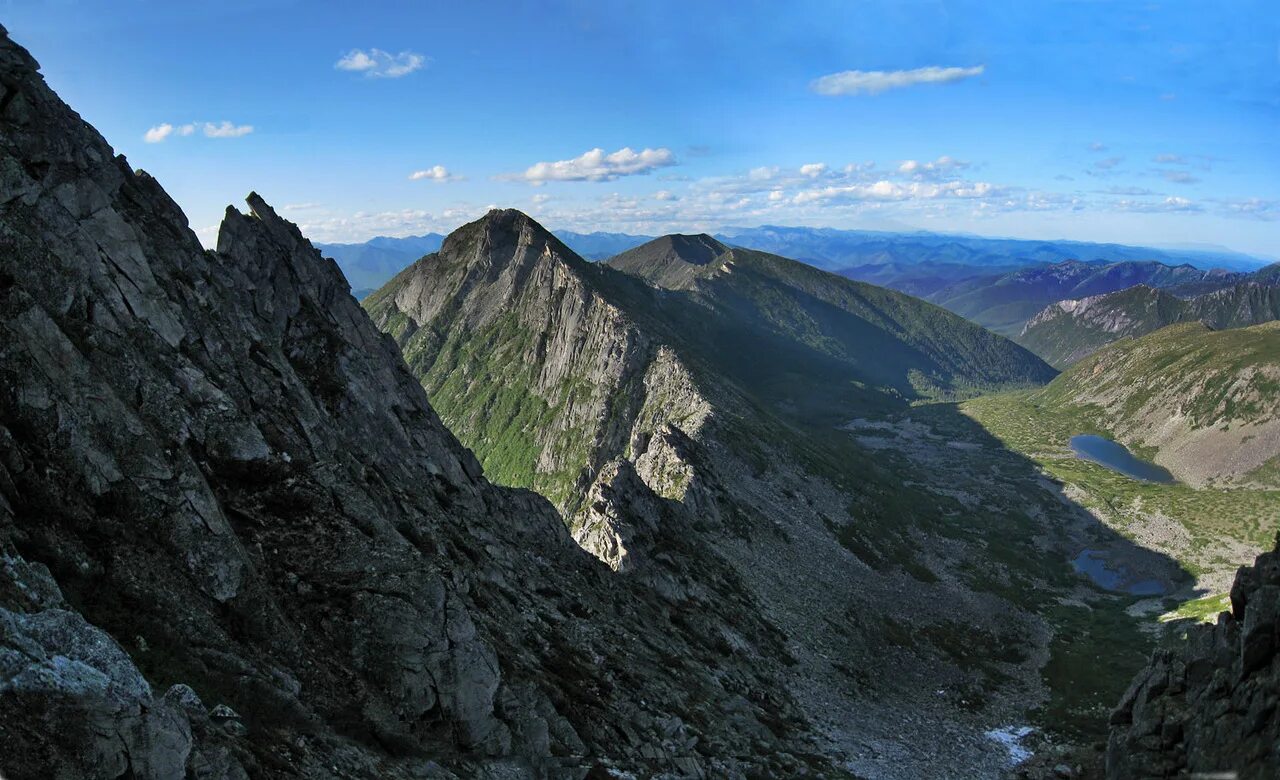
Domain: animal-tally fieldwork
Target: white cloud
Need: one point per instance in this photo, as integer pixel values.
(1097, 146)
(1170, 159)
(1256, 208)
(1129, 191)
(1169, 204)
(931, 170)
(665, 195)
(224, 129)
(873, 82)
(1108, 163)
(434, 173)
(887, 190)
(813, 170)
(376, 63)
(158, 133)
(597, 165)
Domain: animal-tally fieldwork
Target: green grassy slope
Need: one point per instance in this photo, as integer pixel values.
(1167, 396)
(802, 325)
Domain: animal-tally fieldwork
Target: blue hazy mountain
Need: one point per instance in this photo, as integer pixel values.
(918, 263)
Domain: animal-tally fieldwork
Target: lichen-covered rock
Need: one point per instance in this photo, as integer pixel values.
(1209, 708)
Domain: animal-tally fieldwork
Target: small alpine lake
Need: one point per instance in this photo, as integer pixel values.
(1113, 576)
(1117, 457)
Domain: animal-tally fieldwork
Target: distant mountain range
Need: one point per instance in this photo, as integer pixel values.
(840, 249)
(1068, 330)
(912, 262)
(1004, 302)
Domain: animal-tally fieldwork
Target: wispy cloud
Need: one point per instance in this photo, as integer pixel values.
(1108, 163)
(1179, 177)
(223, 129)
(226, 130)
(376, 63)
(437, 173)
(598, 165)
(939, 168)
(1097, 146)
(1255, 208)
(1170, 159)
(886, 190)
(1129, 191)
(873, 82)
(1166, 205)
(158, 133)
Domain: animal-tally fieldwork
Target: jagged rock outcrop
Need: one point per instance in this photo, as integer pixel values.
(218, 480)
(1210, 707)
(619, 518)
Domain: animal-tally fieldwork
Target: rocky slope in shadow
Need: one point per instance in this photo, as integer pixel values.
(1208, 706)
(236, 540)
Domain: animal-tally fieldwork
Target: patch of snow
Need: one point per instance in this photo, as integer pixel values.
(1011, 738)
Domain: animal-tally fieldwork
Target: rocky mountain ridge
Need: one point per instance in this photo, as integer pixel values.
(704, 388)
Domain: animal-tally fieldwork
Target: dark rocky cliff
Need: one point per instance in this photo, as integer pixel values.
(235, 539)
(1209, 707)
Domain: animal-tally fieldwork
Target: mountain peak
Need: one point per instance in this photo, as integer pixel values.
(698, 249)
(510, 228)
(672, 261)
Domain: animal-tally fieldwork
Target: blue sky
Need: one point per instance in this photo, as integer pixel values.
(1155, 123)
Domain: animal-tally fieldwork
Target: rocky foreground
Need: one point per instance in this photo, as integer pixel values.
(1209, 708)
